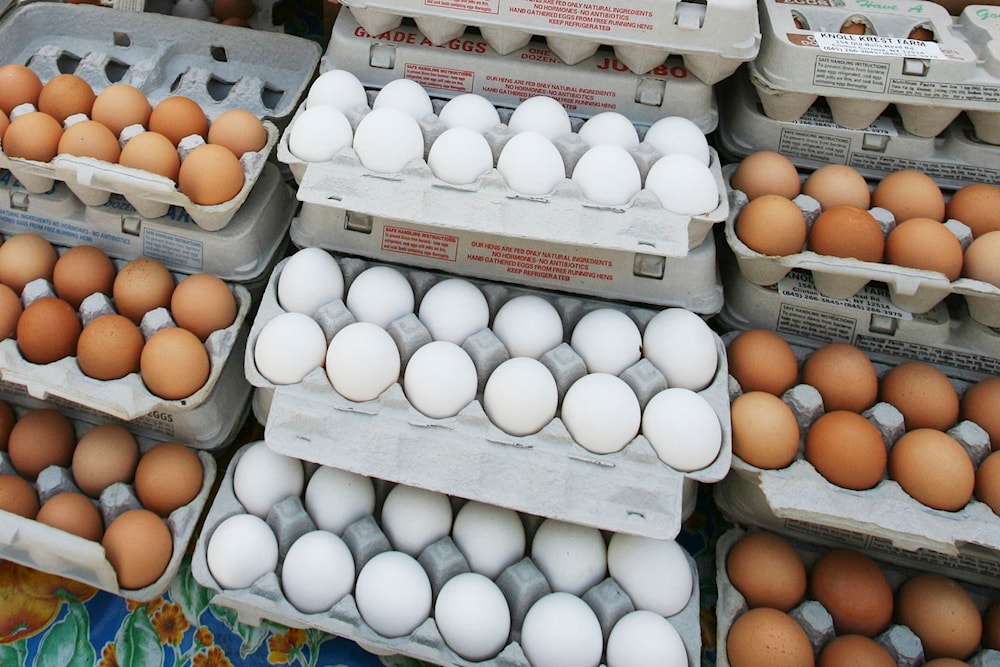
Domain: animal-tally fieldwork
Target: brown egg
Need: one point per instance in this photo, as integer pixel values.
(847, 450)
(767, 571)
(766, 172)
(152, 152)
(169, 476)
(942, 613)
(64, 95)
(933, 468)
(210, 175)
(987, 489)
(73, 512)
(981, 404)
(177, 117)
(765, 432)
(203, 303)
(106, 454)
(909, 193)
(81, 271)
(976, 205)
(18, 85)
(109, 347)
(761, 360)
(121, 105)
(227, 9)
(766, 636)
(48, 330)
(10, 311)
(847, 231)
(174, 363)
(924, 395)
(26, 257)
(139, 546)
(18, 496)
(140, 286)
(835, 184)
(41, 437)
(856, 651)
(922, 243)
(32, 136)
(853, 589)
(843, 375)
(771, 225)
(238, 130)
(980, 261)
(89, 138)
(991, 626)
(7, 420)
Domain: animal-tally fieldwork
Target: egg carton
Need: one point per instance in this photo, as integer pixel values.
(929, 83)
(522, 584)
(884, 520)
(468, 64)
(220, 67)
(58, 552)
(901, 643)
(630, 491)
(953, 159)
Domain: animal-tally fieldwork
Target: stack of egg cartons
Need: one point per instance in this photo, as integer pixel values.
(136, 218)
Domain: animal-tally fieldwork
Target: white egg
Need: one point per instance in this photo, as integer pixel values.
(413, 518)
(528, 326)
(460, 156)
(491, 538)
(288, 347)
(641, 638)
(682, 346)
(682, 428)
(541, 114)
(470, 110)
(608, 340)
(521, 396)
(319, 133)
(453, 309)
(655, 574)
(561, 630)
(311, 278)
(573, 557)
(388, 139)
(362, 361)
(601, 413)
(317, 572)
(609, 127)
(683, 185)
(393, 594)
(263, 478)
(607, 174)
(241, 550)
(336, 498)
(473, 616)
(407, 96)
(530, 164)
(440, 379)
(380, 295)
(676, 134)
(337, 88)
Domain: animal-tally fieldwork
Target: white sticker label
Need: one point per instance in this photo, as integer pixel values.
(873, 45)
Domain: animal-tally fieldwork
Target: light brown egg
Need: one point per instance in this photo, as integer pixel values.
(922, 243)
(933, 468)
(152, 152)
(121, 105)
(7, 420)
(981, 259)
(909, 193)
(987, 489)
(853, 589)
(772, 225)
(106, 454)
(766, 172)
(203, 303)
(64, 95)
(48, 330)
(238, 130)
(991, 626)
(766, 636)
(227, 9)
(109, 347)
(761, 360)
(847, 450)
(847, 231)
(140, 286)
(10, 311)
(843, 375)
(32, 136)
(73, 512)
(976, 205)
(923, 393)
(169, 476)
(942, 613)
(138, 544)
(40, 438)
(210, 175)
(765, 568)
(18, 85)
(981, 404)
(89, 138)
(26, 257)
(764, 430)
(854, 650)
(18, 496)
(177, 117)
(81, 271)
(835, 184)
(174, 363)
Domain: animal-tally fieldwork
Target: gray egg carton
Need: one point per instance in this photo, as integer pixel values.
(954, 158)
(56, 551)
(930, 84)
(469, 65)
(883, 520)
(901, 643)
(522, 584)
(219, 67)
(630, 491)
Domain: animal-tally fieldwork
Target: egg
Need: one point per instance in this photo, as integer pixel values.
(767, 571)
(655, 574)
(65, 95)
(81, 271)
(393, 594)
(18, 85)
(854, 649)
(141, 285)
(174, 363)
(460, 156)
(453, 309)
(847, 231)
(607, 339)
(490, 537)
(25, 257)
(541, 114)
(203, 303)
(683, 184)
(843, 375)
(18, 496)
(677, 134)
(835, 184)
(319, 133)
(473, 616)
(407, 96)
(933, 468)
(854, 590)
(109, 347)
(683, 429)
(152, 152)
(766, 172)
(388, 139)
(48, 330)
(980, 259)
(40, 438)
(74, 513)
(975, 204)
(241, 550)
(336, 498)
(210, 175)
(765, 432)
(941, 613)
(922, 243)
(521, 396)
(471, 111)
(177, 117)
(32, 136)
(922, 393)
(643, 635)
(573, 557)
(440, 379)
(337, 88)
(288, 347)
(168, 476)
(139, 545)
(607, 175)
(772, 225)
(362, 361)
(981, 404)
(766, 636)
(530, 164)
(847, 450)
(309, 279)
(120, 105)
(601, 413)
(609, 127)
(909, 193)
(106, 454)
(317, 571)
(761, 360)
(561, 630)
(264, 477)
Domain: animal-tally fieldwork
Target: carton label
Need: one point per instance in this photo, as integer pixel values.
(873, 45)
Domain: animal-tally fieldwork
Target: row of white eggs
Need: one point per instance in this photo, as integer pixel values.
(389, 136)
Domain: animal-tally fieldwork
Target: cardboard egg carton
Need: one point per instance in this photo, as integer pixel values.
(884, 521)
(929, 83)
(953, 159)
(630, 491)
(56, 551)
(899, 640)
(522, 584)
(220, 67)
(468, 64)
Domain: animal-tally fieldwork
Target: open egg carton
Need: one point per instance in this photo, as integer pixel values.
(468, 64)
(522, 584)
(929, 82)
(219, 67)
(630, 491)
(44, 547)
(899, 640)
(884, 520)
(953, 158)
